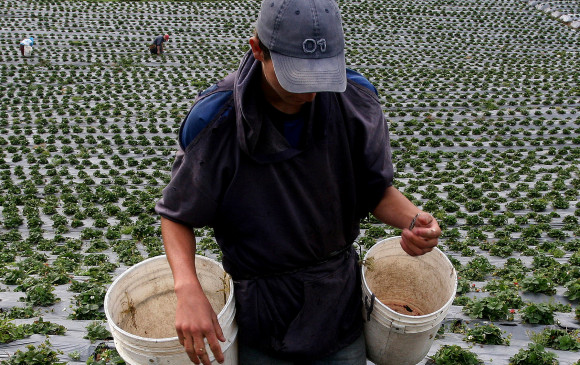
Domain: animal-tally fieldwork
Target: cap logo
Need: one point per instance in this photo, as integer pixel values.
(310, 45)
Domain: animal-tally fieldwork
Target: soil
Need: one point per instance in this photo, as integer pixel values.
(154, 317)
(401, 307)
(398, 283)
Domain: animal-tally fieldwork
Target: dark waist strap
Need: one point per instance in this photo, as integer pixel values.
(335, 255)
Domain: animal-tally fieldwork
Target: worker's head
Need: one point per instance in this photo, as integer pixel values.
(280, 97)
(166, 37)
(305, 42)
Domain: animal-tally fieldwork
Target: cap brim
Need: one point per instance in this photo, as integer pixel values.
(299, 75)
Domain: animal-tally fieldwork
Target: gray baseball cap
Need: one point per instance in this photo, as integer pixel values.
(306, 43)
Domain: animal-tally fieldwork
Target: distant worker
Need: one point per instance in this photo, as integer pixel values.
(157, 46)
(26, 46)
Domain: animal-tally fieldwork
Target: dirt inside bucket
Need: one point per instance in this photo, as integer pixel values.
(402, 307)
(405, 285)
(154, 317)
(151, 318)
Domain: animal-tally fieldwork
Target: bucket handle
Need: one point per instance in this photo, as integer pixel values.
(369, 308)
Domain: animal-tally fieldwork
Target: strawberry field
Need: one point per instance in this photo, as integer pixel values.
(482, 98)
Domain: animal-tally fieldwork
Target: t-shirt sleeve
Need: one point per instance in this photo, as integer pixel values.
(372, 155)
(378, 161)
(201, 172)
(186, 199)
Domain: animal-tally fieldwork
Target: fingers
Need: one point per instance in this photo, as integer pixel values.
(215, 348)
(428, 233)
(199, 351)
(426, 226)
(189, 345)
(194, 343)
(213, 338)
(410, 248)
(218, 330)
(195, 349)
(424, 219)
(423, 238)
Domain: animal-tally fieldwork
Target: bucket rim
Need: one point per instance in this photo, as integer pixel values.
(114, 325)
(428, 316)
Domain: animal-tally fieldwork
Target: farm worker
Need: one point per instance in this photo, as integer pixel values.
(283, 158)
(26, 42)
(157, 46)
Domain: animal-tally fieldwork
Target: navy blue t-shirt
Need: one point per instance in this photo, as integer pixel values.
(290, 125)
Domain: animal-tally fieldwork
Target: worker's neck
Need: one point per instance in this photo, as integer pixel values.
(276, 100)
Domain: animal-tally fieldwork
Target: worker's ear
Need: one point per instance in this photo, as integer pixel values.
(256, 50)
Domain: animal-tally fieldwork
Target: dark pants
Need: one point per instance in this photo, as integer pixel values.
(353, 354)
(22, 49)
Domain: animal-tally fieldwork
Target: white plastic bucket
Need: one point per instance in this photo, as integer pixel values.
(140, 307)
(27, 51)
(405, 299)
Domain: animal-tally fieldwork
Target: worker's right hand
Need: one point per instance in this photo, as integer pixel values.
(195, 320)
(423, 237)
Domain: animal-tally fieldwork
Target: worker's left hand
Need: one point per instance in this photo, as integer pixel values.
(423, 237)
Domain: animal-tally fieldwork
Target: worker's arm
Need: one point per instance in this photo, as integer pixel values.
(396, 210)
(194, 319)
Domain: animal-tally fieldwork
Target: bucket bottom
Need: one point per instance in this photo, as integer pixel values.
(387, 346)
